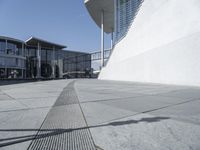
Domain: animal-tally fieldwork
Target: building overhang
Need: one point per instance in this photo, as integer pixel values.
(33, 41)
(95, 8)
(11, 39)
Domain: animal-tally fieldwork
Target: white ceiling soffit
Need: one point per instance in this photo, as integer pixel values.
(96, 6)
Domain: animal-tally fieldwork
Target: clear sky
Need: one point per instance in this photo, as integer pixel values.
(64, 22)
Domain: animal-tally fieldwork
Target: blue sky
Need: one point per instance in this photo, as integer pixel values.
(64, 22)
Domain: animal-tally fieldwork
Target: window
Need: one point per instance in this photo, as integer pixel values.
(125, 13)
(11, 48)
(2, 46)
(14, 48)
(31, 52)
(2, 61)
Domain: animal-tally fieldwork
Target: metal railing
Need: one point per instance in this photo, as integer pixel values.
(84, 65)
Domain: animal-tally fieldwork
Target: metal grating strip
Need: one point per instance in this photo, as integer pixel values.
(64, 127)
(69, 94)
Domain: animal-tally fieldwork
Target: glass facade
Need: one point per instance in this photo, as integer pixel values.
(47, 62)
(31, 52)
(46, 55)
(15, 62)
(31, 62)
(2, 46)
(12, 60)
(2, 73)
(20, 60)
(76, 65)
(14, 48)
(8, 59)
(125, 13)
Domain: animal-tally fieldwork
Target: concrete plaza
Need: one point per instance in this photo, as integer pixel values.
(98, 114)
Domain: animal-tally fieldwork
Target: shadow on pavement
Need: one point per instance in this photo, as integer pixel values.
(44, 133)
(148, 120)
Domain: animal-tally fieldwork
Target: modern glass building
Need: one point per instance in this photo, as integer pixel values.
(43, 58)
(12, 58)
(36, 58)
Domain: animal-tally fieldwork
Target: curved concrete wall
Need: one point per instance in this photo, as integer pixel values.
(162, 45)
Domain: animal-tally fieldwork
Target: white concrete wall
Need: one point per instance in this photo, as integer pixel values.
(162, 45)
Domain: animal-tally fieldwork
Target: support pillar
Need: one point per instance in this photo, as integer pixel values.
(6, 73)
(6, 47)
(102, 38)
(22, 70)
(38, 61)
(23, 51)
(53, 63)
(111, 43)
(6, 70)
(23, 54)
(25, 74)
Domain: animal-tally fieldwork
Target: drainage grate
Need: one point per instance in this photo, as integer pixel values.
(64, 127)
(68, 96)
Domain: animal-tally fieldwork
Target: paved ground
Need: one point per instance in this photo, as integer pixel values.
(93, 114)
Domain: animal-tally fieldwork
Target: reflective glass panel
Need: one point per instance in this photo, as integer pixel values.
(2, 46)
(126, 11)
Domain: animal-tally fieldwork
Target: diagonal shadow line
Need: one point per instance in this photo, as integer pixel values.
(55, 132)
(20, 130)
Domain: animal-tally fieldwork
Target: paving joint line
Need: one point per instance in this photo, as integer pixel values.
(114, 99)
(146, 112)
(25, 109)
(84, 115)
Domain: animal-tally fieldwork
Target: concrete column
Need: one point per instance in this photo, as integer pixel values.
(111, 43)
(53, 63)
(102, 38)
(25, 74)
(6, 72)
(60, 64)
(6, 46)
(22, 73)
(38, 61)
(23, 52)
